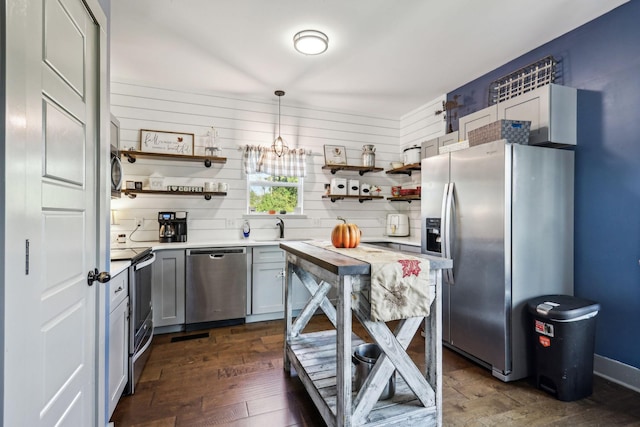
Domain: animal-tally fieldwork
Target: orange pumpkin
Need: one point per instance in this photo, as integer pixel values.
(345, 235)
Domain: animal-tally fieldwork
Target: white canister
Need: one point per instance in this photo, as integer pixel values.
(338, 186)
(156, 182)
(353, 187)
(365, 189)
(412, 155)
(223, 187)
(210, 186)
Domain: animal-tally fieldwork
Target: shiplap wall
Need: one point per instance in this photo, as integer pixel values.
(241, 121)
(421, 124)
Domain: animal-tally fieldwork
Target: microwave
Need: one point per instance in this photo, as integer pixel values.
(115, 164)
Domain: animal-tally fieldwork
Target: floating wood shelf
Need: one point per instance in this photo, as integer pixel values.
(206, 194)
(404, 198)
(361, 199)
(132, 155)
(406, 169)
(360, 169)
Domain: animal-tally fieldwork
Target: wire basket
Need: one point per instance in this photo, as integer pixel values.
(525, 79)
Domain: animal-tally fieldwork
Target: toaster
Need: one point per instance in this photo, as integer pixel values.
(397, 225)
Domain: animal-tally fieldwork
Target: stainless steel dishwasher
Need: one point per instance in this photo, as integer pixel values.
(216, 286)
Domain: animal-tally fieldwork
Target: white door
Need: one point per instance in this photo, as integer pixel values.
(50, 311)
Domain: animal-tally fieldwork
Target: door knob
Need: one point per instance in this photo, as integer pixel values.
(102, 277)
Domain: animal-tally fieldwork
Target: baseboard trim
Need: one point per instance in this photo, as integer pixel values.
(617, 372)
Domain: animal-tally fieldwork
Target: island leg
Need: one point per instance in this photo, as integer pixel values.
(288, 313)
(343, 338)
(433, 344)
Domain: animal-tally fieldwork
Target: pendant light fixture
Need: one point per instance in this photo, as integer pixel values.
(311, 42)
(279, 146)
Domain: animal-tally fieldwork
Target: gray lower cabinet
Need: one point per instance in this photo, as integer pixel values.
(117, 339)
(168, 289)
(397, 246)
(267, 282)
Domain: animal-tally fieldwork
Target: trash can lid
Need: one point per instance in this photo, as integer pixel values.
(562, 307)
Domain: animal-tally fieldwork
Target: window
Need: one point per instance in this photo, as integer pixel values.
(274, 183)
(274, 194)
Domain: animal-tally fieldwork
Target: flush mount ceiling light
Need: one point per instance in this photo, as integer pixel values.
(279, 146)
(311, 42)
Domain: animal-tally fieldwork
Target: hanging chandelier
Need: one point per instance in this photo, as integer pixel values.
(279, 146)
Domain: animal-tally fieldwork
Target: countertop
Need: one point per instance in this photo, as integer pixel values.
(156, 245)
(119, 266)
(342, 265)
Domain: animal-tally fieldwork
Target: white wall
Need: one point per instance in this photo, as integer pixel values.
(421, 124)
(242, 121)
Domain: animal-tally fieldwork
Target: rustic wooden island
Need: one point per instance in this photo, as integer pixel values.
(322, 359)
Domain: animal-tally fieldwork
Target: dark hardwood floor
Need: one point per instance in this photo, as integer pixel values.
(234, 377)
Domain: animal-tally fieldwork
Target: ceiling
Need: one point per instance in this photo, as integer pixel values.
(385, 57)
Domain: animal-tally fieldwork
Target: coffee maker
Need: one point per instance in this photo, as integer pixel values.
(173, 226)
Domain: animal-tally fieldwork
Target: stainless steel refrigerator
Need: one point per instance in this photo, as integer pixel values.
(504, 213)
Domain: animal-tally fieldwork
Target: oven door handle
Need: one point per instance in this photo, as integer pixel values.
(143, 264)
(144, 347)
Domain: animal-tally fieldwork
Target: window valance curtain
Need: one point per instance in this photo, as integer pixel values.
(259, 159)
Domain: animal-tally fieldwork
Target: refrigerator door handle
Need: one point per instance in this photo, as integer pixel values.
(448, 227)
(443, 224)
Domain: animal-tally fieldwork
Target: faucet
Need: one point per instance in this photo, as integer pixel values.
(280, 224)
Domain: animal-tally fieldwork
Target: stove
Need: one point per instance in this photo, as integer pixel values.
(140, 308)
(128, 254)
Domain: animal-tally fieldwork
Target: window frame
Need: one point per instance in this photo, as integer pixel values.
(299, 208)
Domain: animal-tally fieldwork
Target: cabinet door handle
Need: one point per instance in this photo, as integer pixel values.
(118, 290)
(280, 274)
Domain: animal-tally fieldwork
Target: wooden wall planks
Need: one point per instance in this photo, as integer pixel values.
(241, 121)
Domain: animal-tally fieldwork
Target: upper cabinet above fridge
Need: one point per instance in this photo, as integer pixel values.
(552, 111)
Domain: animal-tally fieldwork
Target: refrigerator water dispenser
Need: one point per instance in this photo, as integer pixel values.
(433, 235)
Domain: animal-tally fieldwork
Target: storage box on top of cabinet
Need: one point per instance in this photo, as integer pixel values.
(514, 131)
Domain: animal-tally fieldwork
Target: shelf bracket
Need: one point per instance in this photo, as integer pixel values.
(333, 171)
(207, 196)
(207, 164)
(130, 158)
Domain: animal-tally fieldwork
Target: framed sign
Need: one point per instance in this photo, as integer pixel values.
(158, 141)
(335, 155)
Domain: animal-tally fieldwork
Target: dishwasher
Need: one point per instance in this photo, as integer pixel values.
(216, 287)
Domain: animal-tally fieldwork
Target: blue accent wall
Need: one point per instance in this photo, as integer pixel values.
(602, 59)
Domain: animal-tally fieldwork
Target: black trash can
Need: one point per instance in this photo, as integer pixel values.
(563, 329)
